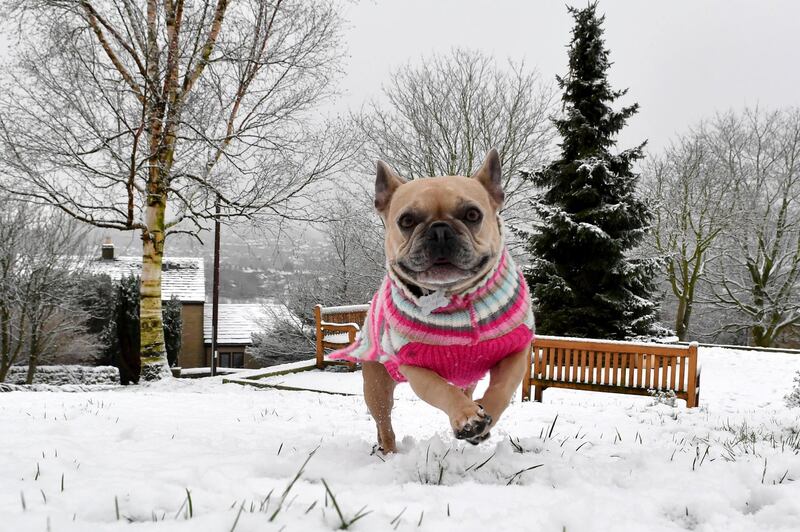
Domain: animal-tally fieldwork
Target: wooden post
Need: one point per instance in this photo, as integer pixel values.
(320, 348)
(537, 393)
(351, 337)
(215, 292)
(526, 381)
(691, 391)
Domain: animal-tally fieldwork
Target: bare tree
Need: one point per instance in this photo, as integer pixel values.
(38, 270)
(692, 199)
(760, 276)
(354, 243)
(442, 117)
(140, 115)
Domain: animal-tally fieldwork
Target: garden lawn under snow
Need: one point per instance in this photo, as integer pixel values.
(127, 459)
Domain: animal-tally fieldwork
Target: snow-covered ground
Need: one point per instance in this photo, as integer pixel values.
(126, 459)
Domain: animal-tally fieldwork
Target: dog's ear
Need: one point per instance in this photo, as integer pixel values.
(489, 175)
(386, 182)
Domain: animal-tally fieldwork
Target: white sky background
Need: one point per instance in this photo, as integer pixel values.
(682, 60)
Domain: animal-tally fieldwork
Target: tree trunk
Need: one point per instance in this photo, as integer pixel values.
(683, 317)
(153, 350)
(33, 359)
(5, 343)
(680, 319)
(762, 337)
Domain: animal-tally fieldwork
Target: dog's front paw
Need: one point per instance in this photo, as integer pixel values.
(471, 422)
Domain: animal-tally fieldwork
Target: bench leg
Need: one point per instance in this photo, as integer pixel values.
(537, 393)
(693, 400)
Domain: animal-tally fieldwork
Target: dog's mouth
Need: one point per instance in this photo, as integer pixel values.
(442, 272)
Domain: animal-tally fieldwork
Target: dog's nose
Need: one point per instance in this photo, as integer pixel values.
(440, 232)
(441, 240)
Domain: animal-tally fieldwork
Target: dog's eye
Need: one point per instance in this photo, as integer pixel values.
(473, 215)
(406, 221)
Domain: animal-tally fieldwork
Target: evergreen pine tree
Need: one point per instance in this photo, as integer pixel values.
(584, 280)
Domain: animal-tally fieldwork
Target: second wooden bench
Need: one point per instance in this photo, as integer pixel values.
(609, 366)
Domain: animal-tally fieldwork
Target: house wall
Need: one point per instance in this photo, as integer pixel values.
(192, 353)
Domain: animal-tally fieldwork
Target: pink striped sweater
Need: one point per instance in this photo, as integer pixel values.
(460, 337)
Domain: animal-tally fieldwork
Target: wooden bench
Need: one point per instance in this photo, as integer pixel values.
(336, 327)
(609, 366)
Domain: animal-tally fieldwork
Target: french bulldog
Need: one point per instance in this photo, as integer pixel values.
(453, 306)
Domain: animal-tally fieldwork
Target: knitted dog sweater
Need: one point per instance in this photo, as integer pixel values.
(460, 337)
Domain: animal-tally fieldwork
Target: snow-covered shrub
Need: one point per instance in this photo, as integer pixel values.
(661, 397)
(793, 399)
(60, 375)
(284, 339)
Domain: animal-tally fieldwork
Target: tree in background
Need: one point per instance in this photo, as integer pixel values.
(353, 245)
(39, 269)
(694, 201)
(443, 117)
(173, 327)
(584, 279)
(139, 116)
(348, 267)
(758, 281)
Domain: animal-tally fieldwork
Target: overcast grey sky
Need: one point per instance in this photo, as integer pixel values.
(681, 59)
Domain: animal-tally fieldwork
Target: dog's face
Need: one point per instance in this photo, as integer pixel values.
(441, 232)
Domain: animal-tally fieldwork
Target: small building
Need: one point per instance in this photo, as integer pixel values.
(182, 278)
(235, 328)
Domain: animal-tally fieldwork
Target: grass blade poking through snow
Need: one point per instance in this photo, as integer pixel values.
(346, 523)
(519, 473)
(238, 515)
(290, 486)
(553, 426)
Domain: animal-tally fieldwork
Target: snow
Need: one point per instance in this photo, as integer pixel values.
(580, 461)
(182, 277)
(238, 321)
(343, 309)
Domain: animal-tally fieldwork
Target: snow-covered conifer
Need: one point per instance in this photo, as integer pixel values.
(585, 275)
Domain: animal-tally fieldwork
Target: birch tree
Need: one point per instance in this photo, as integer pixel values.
(138, 115)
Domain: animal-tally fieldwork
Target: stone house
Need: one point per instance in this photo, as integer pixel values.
(184, 279)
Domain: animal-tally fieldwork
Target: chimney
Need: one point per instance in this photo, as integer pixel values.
(108, 249)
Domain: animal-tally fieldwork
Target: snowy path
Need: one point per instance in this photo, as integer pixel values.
(611, 463)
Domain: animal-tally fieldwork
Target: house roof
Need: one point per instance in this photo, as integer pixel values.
(181, 277)
(238, 321)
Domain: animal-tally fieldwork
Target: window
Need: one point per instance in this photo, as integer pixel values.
(231, 360)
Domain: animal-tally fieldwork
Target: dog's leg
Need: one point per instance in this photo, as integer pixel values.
(469, 390)
(379, 396)
(467, 418)
(504, 378)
